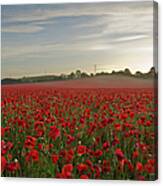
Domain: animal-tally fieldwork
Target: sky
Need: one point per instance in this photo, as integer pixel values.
(61, 38)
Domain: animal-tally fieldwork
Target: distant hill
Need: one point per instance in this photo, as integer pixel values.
(80, 75)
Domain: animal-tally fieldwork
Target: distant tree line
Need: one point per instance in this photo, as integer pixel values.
(79, 75)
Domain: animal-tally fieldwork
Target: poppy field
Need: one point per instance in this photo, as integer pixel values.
(50, 132)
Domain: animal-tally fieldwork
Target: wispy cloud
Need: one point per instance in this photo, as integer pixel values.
(107, 14)
(22, 29)
(28, 13)
(131, 38)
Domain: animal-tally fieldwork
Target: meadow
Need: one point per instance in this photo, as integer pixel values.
(88, 133)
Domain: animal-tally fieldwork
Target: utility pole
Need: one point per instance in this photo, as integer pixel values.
(95, 68)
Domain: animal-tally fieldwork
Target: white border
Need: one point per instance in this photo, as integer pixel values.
(58, 182)
(58, 1)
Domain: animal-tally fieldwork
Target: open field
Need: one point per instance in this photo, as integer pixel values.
(109, 81)
(106, 82)
(97, 128)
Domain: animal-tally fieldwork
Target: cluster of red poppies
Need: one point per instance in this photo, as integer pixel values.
(78, 133)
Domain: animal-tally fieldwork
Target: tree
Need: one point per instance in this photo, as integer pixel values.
(91, 74)
(78, 74)
(127, 72)
(71, 76)
(84, 75)
(151, 73)
(138, 74)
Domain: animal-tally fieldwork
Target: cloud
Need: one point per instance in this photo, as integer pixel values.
(101, 47)
(46, 49)
(44, 12)
(131, 38)
(119, 27)
(22, 29)
(107, 13)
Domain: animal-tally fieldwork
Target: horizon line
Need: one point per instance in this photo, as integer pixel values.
(82, 71)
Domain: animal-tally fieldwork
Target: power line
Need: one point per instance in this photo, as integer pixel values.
(95, 68)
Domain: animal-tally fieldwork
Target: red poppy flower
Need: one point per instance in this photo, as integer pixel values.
(70, 139)
(54, 158)
(38, 125)
(139, 167)
(13, 166)
(83, 176)
(40, 146)
(32, 155)
(97, 171)
(81, 150)
(89, 163)
(69, 155)
(119, 153)
(2, 132)
(3, 163)
(82, 120)
(135, 154)
(30, 142)
(82, 167)
(106, 145)
(106, 166)
(6, 146)
(132, 114)
(117, 126)
(98, 153)
(54, 132)
(148, 123)
(149, 168)
(67, 171)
